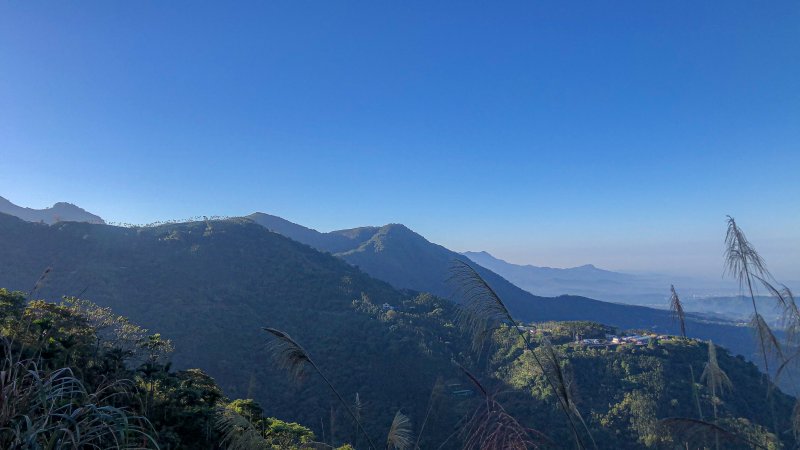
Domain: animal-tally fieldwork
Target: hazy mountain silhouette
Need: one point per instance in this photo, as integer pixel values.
(583, 280)
(639, 289)
(60, 212)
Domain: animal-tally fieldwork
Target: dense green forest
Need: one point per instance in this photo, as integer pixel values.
(211, 287)
(75, 375)
(121, 387)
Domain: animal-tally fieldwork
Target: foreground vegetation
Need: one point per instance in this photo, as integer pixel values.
(75, 375)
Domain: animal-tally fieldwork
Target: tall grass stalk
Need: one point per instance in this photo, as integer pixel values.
(717, 382)
(482, 311)
(437, 387)
(491, 427)
(293, 358)
(399, 436)
(676, 307)
(744, 263)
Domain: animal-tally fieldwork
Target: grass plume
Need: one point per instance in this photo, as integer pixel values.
(237, 432)
(676, 307)
(294, 359)
(743, 263)
(482, 311)
(399, 436)
(715, 378)
(491, 427)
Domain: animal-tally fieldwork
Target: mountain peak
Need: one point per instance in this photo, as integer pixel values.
(59, 212)
(396, 228)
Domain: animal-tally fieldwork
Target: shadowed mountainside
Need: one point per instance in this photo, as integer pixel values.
(212, 286)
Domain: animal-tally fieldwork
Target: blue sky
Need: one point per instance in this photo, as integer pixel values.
(553, 133)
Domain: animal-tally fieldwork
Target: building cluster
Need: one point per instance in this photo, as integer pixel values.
(610, 339)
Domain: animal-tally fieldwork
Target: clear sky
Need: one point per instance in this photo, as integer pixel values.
(553, 133)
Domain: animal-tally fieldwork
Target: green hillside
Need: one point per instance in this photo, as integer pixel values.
(631, 396)
(628, 393)
(211, 288)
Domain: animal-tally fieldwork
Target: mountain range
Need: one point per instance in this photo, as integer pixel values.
(406, 260)
(398, 255)
(211, 286)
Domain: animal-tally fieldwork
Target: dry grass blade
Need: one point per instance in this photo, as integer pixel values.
(714, 377)
(743, 262)
(290, 356)
(790, 312)
(481, 309)
(358, 406)
(695, 393)
(435, 392)
(771, 346)
(741, 258)
(399, 436)
(490, 427)
(55, 407)
(676, 307)
(287, 353)
(783, 295)
(552, 365)
(39, 282)
(237, 432)
(563, 383)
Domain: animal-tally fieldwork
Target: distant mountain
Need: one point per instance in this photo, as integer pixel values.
(405, 259)
(60, 212)
(586, 280)
(589, 281)
(583, 280)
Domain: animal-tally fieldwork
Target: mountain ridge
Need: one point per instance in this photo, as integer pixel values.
(396, 254)
(59, 212)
